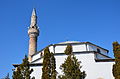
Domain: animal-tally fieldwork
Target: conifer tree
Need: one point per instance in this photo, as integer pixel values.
(53, 67)
(49, 66)
(68, 49)
(23, 71)
(17, 74)
(71, 66)
(46, 64)
(116, 66)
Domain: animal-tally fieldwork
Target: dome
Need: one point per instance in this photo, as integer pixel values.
(66, 42)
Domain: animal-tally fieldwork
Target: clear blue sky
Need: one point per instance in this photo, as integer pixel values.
(96, 21)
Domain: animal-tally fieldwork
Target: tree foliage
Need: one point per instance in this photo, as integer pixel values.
(23, 71)
(68, 50)
(53, 67)
(71, 67)
(116, 66)
(49, 66)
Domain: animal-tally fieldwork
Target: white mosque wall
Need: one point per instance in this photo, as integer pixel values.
(78, 48)
(93, 69)
(103, 70)
(60, 48)
(38, 61)
(36, 57)
(51, 48)
(37, 72)
(85, 59)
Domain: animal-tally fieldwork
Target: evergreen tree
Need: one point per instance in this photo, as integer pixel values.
(71, 66)
(23, 71)
(53, 67)
(68, 49)
(116, 66)
(17, 74)
(49, 66)
(46, 64)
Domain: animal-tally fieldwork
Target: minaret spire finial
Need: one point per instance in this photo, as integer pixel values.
(33, 18)
(34, 12)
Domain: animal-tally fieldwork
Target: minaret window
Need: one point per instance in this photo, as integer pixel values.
(32, 26)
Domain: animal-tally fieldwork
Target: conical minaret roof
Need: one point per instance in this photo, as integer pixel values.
(33, 18)
(34, 12)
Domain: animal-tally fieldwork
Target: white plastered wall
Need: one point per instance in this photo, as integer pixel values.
(94, 70)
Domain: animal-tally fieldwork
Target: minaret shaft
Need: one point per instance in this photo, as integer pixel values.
(32, 45)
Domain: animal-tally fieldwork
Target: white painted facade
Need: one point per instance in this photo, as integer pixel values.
(94, 59)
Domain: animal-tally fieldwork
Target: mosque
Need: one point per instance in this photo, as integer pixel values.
(94, 59)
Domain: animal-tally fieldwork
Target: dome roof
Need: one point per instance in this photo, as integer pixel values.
(66, 42)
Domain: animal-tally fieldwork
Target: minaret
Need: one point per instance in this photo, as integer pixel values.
(33, 33)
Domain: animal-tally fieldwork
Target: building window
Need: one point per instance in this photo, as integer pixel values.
(98, 50)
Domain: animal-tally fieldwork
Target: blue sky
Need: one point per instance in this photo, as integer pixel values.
(96, 21)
